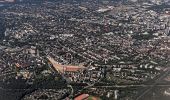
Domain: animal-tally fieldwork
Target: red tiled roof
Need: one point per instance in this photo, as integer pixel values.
(72, 68)
(81, 97)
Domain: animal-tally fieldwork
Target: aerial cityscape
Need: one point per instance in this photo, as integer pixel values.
(84, 49)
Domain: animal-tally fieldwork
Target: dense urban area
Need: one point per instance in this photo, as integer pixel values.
(84, 49)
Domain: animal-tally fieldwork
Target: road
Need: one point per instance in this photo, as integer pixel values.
(163, 75)
(129, 86)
